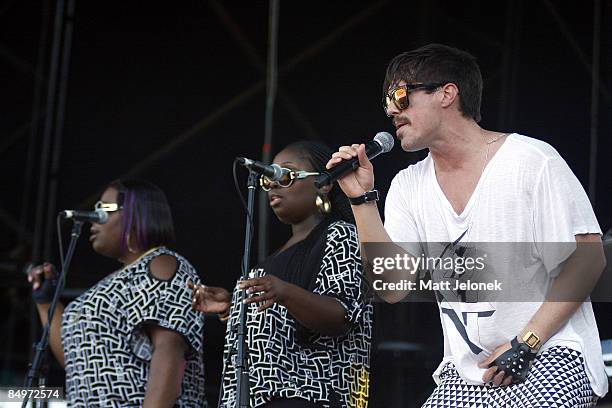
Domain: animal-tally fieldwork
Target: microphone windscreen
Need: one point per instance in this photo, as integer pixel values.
(103, 216)
(385, 140)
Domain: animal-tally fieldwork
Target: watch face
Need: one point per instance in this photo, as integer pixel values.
(532, 340)
(371, 195)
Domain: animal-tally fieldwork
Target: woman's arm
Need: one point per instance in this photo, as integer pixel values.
(39, 277)
(55, 331)
(339, 277)
(167, 367)
(322, 314)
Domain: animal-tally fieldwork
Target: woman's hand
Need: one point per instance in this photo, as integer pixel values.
(209, 299)
(44, 281)
(320, 313)
(268, 289)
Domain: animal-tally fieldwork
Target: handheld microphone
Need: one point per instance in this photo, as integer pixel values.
(97, 216)
(383, 142)
(273, 171)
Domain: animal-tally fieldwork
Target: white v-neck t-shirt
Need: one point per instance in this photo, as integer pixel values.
(526, 194)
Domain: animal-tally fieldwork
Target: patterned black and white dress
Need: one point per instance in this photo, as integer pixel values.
(286, 360)
(107, 354)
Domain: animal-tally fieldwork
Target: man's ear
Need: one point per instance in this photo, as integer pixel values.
(450, 93)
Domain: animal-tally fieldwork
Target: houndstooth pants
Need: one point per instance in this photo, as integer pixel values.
(556, 379)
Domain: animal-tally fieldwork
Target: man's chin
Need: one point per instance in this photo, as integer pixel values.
(410, 146)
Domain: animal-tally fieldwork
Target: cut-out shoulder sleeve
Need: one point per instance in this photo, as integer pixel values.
(163, 267)
(159, 296)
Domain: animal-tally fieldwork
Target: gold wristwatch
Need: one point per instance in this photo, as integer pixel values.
(532, 340)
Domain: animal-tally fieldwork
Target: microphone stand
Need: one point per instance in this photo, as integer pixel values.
(242, 368)
(43, 343)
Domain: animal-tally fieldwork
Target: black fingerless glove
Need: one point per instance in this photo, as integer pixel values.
(516, 361)
(44, 294)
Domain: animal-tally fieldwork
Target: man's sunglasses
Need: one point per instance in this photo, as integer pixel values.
(399, 94)
(108, 207)
(289, 176)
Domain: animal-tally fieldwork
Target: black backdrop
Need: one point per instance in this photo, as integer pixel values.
(188, 79)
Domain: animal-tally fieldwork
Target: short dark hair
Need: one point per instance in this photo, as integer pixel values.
(434, 63)
(146, 214)
(318, 154)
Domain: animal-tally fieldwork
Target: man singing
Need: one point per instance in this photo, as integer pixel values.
(478, 185)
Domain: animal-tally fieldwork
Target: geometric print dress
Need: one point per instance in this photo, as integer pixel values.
(556, 379)
(286, 360)
(108, 355)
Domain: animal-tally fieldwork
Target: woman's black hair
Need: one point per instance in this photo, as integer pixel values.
(146, 214)
(318, 154)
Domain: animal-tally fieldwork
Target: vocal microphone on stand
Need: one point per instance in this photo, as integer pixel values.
(272, 171)
(383, 142)
(98, 216)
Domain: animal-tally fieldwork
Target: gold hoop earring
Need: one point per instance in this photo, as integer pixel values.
(130, 249)
(323, 204)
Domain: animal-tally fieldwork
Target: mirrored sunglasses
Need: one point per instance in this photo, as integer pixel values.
(399, 95)
(108, 207)
(289, 176)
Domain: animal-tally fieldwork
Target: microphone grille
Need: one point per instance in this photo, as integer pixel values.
(279, 172)
(103, 216)
(385, 140)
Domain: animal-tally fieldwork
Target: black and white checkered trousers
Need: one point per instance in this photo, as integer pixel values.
(556, 379)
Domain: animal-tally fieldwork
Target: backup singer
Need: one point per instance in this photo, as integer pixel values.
(132, 340)
(482, 186)
(309, 324)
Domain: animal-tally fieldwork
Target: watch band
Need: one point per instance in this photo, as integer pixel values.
(371, 195)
